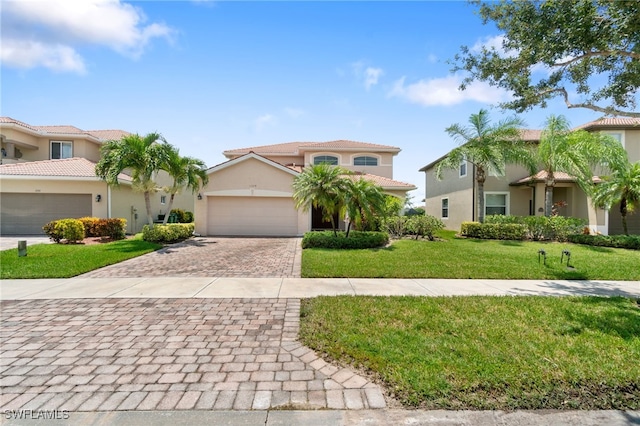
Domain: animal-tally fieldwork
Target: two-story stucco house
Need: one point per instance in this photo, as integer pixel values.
(48, 173)
(252, 194)
(453, 198)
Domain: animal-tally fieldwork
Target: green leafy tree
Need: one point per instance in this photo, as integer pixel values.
(577, 153)
(186, 172)
(143, 156)
(321, 186)
(555, 48)
(488, 147)
(621, 186)
(364, 201)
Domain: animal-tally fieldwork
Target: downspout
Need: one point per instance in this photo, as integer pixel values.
(108, 201)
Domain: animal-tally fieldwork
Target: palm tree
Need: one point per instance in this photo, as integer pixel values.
(621, 186)
(143, 156)
(321, 186)
(363, 201)
(488, 147)
(576, 153)
(186, 172)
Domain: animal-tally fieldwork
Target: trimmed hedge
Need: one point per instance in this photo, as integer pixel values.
(114, 228)
(71, 230)
(356, 240)
(631, 242)
(551, 228)
(494, 231)
(169, 233)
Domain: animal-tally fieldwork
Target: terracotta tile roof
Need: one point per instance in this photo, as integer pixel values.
(611, 122)
(296, 148)
(384, 182)
(541, 176)
(102, 135)
(531, 134)
(68, 167)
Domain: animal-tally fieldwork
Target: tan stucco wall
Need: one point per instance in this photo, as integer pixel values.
(345, 160)
(37, 148)
(632, 144)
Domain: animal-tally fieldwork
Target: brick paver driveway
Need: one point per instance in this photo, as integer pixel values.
(214, 257)
(167, 354)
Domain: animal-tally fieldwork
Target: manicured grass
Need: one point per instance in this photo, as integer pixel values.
(468, 258)
(486, 352)
(69, 260)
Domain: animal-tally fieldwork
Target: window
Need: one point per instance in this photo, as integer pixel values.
(163, 199)
(463, 168)
(496, 203)
(619, 136)
(61, 150)
(329, 159)
(365, 161)
(445, 208)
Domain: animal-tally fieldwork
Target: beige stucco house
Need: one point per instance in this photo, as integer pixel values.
(48, 173)
(453, 198)
(251, 194)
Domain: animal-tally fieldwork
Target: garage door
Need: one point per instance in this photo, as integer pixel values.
(25, 214)
(252, 216)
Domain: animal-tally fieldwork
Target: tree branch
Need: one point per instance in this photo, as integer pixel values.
(631, 55)
(607, 111)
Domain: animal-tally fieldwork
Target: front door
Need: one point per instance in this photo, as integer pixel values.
(318, 223)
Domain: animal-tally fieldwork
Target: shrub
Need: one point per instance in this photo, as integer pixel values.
(494, 231)
(356, 240)
(188, 217)
(169, 233)
(182, 216)
(631, 242)
(91, 228)
(71, 230)
(114, 228)
(543, 227)
(424, 226)
(395, 226)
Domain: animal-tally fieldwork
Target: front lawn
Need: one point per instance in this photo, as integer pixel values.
(469, 258)
(69, 260)
(486, 352)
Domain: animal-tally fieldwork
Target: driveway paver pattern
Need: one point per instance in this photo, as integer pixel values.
(213, 257)
(167, 354)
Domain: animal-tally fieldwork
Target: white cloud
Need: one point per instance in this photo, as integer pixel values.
(59, 27)
(264, 120)
(488, 43)
(368, 75)
(444, 91)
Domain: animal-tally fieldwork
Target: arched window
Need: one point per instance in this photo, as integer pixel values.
(365, 161)
(329, 159)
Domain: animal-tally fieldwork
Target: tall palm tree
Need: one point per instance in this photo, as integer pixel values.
(576, 153)
(364, 200)
(143, 156)
(488, 147)
(621, 186)
(321, 186)
(186, 172)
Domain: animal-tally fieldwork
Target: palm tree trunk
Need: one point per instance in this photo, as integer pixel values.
(549, 183)
(348, 229)
(169, 207)
(623, 213)
(480, 178)
(147, 203)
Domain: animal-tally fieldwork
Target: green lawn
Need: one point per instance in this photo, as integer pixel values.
(69, 260)
(468, 258)
(486, 352)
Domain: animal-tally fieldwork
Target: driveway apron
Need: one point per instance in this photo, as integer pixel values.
(213, 257)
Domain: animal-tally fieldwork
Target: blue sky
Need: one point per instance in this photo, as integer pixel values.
(212, 76)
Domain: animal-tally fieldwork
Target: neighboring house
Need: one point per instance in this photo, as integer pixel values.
(48, 173)
(252, 194)
(453, 198)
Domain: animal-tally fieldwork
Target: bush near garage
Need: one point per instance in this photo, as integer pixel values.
(181, 216)
(356, 240)
(114, 228)
(169, 233)
(71, 230)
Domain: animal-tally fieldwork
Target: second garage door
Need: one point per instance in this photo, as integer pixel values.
(252, 216)
(26, 214)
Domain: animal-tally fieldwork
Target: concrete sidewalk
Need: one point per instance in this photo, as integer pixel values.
(198, 287)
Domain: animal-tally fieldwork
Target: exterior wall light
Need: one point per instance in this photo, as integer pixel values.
(98, 198)
(199, 196)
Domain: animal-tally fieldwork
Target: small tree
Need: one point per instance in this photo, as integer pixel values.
(621, 186)
(364, 200)
(186, 172)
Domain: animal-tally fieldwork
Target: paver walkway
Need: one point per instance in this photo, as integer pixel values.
(213, 257)
(167, 354)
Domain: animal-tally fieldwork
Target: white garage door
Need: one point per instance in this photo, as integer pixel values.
(26, 214)
(252, 216)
